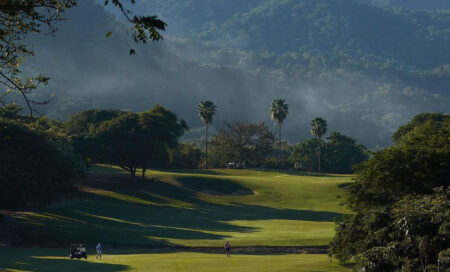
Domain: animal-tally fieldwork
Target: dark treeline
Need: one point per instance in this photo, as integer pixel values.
(42, 158)
(37, 161)
(400, 203)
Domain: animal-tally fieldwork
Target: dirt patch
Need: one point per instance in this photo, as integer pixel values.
(236, 193)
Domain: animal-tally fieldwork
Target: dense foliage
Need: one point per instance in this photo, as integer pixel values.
(400, 203)
(339, 154)
(185, 156)
(34, 168)
(242, 143)
(126, 139)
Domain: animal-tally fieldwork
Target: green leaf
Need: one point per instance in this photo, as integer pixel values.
(108, 34)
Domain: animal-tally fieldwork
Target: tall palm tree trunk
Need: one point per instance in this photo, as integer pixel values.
(279, 143)
(206, 147)
(318, 143)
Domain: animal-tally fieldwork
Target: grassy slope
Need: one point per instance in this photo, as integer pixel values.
(287, 210)
(49, 260)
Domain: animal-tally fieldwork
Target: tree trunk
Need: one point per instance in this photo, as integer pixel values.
(279, 143)
(143, 172)
(133, 174)
(206, 147)
(318, 143)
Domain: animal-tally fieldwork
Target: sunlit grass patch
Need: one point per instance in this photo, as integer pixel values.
(52, 260)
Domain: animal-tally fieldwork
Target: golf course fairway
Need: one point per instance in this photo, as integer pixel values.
(145, 225)
(51, 260)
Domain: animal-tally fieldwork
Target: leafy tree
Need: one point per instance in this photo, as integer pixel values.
(119, 142)
(279, 112)
(306, 154)
(339, 155)
(206, 111)
(161, 130)
(241, 142)
(37, 172)
(185, 156)
(20, 18)
(400, 204)
(417, 121)
(128, 140)
(85, 121)
(318, 129)
(342, 153)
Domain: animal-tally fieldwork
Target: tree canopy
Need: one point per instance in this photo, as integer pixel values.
(241, 142)
(400, 203)
(33, 168)
(129, 140)
(340, 154)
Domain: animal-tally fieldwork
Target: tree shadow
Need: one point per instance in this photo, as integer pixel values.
(192, 171)
(150, 215)
(15, 259)
(199, 184)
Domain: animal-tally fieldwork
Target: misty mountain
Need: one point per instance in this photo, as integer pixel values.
(363, 68)
(411, 4)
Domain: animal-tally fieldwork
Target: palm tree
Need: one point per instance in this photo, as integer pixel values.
(206, 111)
(279, 112)
(318, 128)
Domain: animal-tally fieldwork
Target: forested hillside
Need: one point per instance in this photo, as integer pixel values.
(412, 4)
(365, 67)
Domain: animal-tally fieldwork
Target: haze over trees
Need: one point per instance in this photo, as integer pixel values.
(375, 88)
(20, 19)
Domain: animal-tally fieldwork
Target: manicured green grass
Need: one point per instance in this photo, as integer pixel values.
(286, 210)
(56, 260)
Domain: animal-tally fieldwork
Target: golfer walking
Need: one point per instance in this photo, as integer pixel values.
(227, 247)
(99, 249)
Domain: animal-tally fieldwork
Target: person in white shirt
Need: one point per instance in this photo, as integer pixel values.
(99, 249)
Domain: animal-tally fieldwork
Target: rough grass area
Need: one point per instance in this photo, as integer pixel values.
(169, 209)
(55, 260)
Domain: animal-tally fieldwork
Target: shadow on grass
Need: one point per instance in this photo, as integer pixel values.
(149, 215)
(220, 185)
(192, 171)
(37, 260)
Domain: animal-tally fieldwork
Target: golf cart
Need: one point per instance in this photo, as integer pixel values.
(77, 251)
